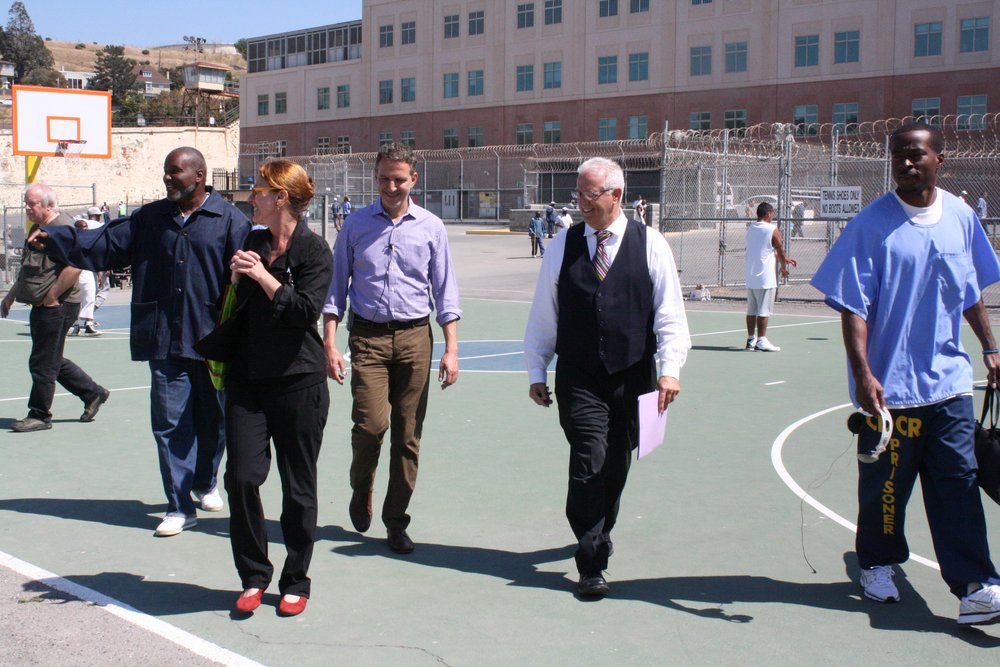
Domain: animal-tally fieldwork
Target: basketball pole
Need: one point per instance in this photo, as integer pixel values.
(31, 165)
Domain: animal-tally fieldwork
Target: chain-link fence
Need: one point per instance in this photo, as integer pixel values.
(703, 186)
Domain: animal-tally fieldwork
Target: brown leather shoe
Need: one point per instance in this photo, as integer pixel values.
(360, 510)
(399, 541)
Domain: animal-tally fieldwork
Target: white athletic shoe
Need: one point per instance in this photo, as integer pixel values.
(751, 342)
(211, 501)
(764, 345)
(878, 585)
(980, 607)
(174, 522)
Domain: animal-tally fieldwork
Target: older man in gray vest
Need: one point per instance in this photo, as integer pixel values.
(609, 303)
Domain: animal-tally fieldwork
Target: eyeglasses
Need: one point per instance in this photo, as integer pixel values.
(263, 188)
(593, 195)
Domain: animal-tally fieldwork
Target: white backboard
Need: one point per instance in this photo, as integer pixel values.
(45, 116)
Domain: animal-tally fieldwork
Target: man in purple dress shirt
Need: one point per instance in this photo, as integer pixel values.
(392, 261)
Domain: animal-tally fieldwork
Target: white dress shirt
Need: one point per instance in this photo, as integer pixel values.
(669, 320)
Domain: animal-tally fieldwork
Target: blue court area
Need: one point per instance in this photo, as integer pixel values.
(734, 544)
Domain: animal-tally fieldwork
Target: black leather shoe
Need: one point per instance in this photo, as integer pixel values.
(360, 510)
(592, 586)
(399, 541)
(91, 407)
(30, 425)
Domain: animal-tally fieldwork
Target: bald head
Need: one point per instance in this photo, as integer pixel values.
(184, 176)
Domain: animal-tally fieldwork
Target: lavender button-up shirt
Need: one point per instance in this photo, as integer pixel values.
(391, 271)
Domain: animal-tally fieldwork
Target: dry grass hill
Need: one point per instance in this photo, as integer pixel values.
(67, 55)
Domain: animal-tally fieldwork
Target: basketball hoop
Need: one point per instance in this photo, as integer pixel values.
(70, 148)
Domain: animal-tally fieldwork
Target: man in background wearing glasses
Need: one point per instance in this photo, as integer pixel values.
(179, 250)
(609, 303)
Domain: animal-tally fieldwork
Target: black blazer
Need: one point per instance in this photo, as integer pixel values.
(274, 338)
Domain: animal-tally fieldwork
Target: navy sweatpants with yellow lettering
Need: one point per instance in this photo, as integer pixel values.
(935, 442)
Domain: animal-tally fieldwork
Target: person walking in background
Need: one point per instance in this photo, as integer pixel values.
(903, 275)
(981, 207)
(391, 242)
(88, 283)
(551, 219)
(763, 251)
(536, 230)
(122, 208)
(276, 386)
(608, 302)
(345, 209)
(565, 221)
(179, 249)
(106, 212)
(50, 287)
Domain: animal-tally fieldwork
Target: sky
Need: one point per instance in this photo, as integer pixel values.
(145, 23)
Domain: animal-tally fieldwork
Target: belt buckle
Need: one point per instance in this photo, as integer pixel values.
(392, 325)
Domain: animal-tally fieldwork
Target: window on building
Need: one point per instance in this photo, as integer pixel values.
(736, 57)
(343, 96)
(280, 103)
(638, 6)
(550, 132)
(343, 144)
(450, 137)
(553, 12)
(451, 26)
(847, 46)
(807, 51)
(262, 105)
(475, 82)
(735, 119)
(927, 39)
(322, 145)
(700, 120)
(384, 138)
(974, 35)
(845, 117)
(385, 91)
(607, 8)
(805, 117)
(524, 133)
(607, 69)
(408, 89)
(701, 60)
(552, 75)
(476, 138)
(323, 98)
(526, 15)
(384, 36)
(477, 23)
(408, 138)
(525, 78)
(408, 32)
(970, 109)
(638, 127)
(450, 85)
(701, 2)
(607, 129)
(280, 148)
(638, 66)
(925, 108)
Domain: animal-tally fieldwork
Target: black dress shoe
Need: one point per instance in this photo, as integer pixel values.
(399, 541)
(360, 510)
(592, 586)
(91, 407)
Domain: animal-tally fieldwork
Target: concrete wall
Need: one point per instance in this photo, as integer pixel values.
(134, 172)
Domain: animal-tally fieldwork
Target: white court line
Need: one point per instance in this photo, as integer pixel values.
(66, 393)
(779, 467)
(769, 327)
(171, 633)
(771, 384)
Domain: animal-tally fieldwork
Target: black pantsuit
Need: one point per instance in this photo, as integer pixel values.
(294, 420)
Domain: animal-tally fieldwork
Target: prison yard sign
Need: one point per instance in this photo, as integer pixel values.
(839, 202)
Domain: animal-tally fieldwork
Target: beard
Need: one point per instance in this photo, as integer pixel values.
(178, 195)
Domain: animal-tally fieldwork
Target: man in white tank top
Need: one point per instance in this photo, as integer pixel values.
(763, 248)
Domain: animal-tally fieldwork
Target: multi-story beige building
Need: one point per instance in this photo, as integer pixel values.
(452, 73)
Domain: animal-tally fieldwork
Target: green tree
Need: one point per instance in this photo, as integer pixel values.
(21, 45)
(113, 72)
(241, 46)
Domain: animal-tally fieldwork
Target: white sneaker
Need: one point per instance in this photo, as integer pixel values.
(878, 585)
(211, 501)
(751, 342)
(173, 523)
(980, 607)
(764, 345)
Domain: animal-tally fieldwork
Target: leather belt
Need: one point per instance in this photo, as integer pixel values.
(391, 325)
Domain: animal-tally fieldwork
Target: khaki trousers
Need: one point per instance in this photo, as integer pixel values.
(390, 378)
